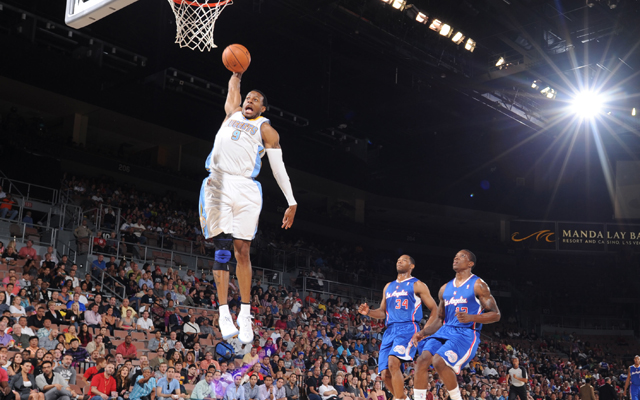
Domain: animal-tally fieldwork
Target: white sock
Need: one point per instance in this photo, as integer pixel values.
(455, 394)
(419, 394)
(224, 311)
(245, 308)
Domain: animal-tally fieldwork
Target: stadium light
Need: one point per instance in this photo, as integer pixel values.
(470, 45)
(436, 24)
(457, 38)
(587, 104)
(535, 84)
(446, 30)
(500, 62)
(422, 18)
(387, 1)
(399, 4)
(549, 92)
(633, 112)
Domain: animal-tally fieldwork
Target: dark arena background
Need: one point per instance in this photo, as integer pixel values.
(421, 127)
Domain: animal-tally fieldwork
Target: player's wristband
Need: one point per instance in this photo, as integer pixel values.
(280, 173)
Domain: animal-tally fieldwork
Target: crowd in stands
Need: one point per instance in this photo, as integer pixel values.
(62, 335)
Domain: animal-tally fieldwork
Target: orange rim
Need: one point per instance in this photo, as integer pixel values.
(196, 4)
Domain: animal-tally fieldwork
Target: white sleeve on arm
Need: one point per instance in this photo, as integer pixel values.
(280, 173)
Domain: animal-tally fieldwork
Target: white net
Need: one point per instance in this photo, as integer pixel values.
(195, 22)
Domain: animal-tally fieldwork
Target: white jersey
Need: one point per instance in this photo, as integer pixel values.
(238, 148)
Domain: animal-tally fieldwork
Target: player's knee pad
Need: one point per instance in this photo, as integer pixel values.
(223, 244)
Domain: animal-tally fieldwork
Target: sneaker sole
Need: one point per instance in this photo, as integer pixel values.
(236, 333)
(243, 342)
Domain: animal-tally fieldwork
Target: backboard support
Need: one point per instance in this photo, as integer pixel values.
(81, 13)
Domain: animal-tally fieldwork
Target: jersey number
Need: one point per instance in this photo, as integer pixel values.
(462, 309)
(402, 303)
(236, 134)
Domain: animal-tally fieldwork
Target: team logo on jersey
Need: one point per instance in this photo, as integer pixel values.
(455, 302)
(467, 286)
(399, 349)
(397, 286)
(451, 356)
(395, 293)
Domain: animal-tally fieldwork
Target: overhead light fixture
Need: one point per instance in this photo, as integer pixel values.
(587, 104)
(633, 112)
(457, 38)
(387, 1)
(535, 84)
(470, 45)
(549, 92)
(422, 18)
(446, 30)
(436, 24)
(399, 4)
(500, 62)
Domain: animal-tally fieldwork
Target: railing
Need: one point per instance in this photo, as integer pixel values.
(113, 286)
(40, 235)
(180, 261)
(29, 191)
(357, 293)
(291, 259)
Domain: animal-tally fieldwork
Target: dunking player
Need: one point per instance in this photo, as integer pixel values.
(402, 305)
(633, 379)
(231, 198)
(465, 304)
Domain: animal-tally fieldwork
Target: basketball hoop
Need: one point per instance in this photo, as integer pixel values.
(195, 22)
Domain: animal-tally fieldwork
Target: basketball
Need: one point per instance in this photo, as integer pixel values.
(236, 58)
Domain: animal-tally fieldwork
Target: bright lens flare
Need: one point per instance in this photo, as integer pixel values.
(587, 104)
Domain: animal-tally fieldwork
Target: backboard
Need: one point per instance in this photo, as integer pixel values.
(81, 13)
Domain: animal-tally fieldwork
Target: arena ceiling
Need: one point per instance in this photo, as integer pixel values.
(393, 107)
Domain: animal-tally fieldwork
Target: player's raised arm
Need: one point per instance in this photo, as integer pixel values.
(234, 99)
(435, 319)
(491, 312)
(272, 147)
(378, 313)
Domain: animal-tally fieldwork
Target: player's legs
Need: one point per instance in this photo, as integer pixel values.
(223, 244)
(446, 374)
(460, 347)
(634, 392)
(427, 347)
(393, 378)
(245, 225)
(401, 335)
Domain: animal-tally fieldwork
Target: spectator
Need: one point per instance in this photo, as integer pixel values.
(28, 252)
(145, 323)
(235, 391)
(103, 385)
(586, 391)
(6, 207)
(53, 385)
(97, 345)
(313, 384)
(82, 234)
(327, 391)
(202, 390)
(27, 219)
(166, 387)
(78, 354)
(128, 351)
(292, 390)
(23, 383)
(145, 384)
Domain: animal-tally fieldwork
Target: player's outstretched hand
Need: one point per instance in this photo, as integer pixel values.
(463, 317)
(289, 215)
(363, 309)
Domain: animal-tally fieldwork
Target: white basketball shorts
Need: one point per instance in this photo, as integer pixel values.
(230, 204)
